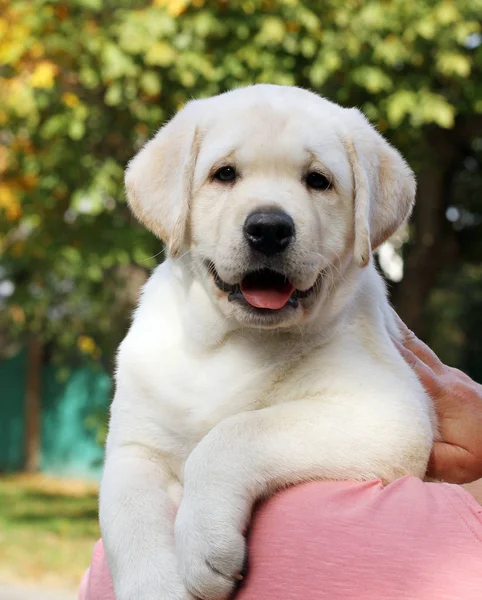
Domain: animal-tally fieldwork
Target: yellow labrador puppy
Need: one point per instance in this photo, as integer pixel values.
(260, 354)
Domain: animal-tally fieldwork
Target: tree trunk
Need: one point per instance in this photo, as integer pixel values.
(33, 405)
(433, 243)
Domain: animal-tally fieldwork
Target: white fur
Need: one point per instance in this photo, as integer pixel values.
(218, 408)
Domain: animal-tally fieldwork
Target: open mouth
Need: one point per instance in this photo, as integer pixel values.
(264, 289)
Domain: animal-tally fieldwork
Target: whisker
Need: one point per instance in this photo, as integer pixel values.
(151, 257)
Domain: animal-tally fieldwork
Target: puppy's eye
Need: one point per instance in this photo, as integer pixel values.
(317, 181)
(225, 174)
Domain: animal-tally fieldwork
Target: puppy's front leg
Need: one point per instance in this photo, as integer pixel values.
(137, 524)
(252, 454)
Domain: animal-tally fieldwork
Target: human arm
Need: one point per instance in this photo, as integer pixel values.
(333, 539)
(251, 455)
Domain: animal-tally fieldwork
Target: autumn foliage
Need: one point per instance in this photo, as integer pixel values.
(84, 83)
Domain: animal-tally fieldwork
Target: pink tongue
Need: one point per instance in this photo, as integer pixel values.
(268, 298)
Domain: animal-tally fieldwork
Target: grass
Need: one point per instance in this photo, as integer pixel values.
(47, 530)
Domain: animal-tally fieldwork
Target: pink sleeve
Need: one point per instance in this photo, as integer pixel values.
(96, 583)
(344, 541)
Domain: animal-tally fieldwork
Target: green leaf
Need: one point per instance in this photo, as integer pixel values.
(372, 79)
(116, 63)
(76, 130)
(453, 63)
(117, 75)
(161, 54)
(272, 31)
(113, 95)
(436, 109)
(399, 105)
(150, 83)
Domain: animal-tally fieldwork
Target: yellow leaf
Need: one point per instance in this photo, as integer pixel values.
(17, 314)
(36, 51)
(70, 99)
(13, 212)
(30, 181)
(9, 202)
(43, 75)
(86, 344)
(173, 7)
(4, 159)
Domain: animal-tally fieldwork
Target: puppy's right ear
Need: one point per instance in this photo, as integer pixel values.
(159, 180)
(384, 186)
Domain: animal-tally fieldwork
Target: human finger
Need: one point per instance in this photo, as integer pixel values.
(427, 377)
(419, 348)
(453, 464)
(423, 352)
(416, 345)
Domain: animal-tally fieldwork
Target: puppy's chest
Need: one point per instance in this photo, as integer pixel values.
(198, 392)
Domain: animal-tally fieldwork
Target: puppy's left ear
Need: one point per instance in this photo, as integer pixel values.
(384, 186)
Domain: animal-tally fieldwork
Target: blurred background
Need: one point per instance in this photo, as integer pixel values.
(83, 84)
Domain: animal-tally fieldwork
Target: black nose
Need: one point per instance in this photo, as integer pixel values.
(269, 231)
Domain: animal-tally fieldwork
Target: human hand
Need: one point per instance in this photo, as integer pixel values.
(457, 455)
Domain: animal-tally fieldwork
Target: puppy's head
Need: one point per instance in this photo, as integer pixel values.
(271, 191)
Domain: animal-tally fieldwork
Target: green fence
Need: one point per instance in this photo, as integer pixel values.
(69, 445)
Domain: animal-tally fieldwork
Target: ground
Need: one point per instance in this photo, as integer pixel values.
(47, 531)
(17, 592)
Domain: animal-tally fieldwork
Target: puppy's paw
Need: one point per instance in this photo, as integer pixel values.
(211, 553)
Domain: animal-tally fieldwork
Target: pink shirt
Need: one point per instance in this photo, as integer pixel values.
(409, 540)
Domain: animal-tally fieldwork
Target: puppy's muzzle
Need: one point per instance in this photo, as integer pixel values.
(269, 231)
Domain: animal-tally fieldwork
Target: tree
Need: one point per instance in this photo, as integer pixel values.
(85, 83)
